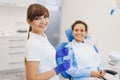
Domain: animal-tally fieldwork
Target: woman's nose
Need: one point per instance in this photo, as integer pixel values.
(79, 31)
(43, 20)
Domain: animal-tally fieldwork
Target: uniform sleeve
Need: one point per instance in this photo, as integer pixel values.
(33, 53)
(74, 71)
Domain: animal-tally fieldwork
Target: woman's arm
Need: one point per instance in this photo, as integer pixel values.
(32, 72)
(33, 66)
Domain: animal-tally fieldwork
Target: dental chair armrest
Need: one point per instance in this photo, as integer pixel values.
(111, 72)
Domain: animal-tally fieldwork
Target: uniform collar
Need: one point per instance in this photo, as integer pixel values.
(37, 36)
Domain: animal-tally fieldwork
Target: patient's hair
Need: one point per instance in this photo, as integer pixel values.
(80, 22)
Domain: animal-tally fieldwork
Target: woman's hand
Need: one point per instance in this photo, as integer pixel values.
(62, 67)
(95, 74)
(101, 72)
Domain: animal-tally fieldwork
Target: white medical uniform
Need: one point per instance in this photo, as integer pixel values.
(38, 48)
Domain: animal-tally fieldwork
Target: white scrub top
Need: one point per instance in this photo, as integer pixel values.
(38, 48)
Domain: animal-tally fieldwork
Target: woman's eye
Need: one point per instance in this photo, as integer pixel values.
(45, 16)
(36, 18)
(82, 30)
(76, 30)
(79, 30)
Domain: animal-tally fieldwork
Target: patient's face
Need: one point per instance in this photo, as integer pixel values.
(79, 32)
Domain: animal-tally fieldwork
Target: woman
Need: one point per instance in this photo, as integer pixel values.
(85, 63)
(40, 54)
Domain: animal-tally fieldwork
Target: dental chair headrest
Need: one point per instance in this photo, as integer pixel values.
(69, 34)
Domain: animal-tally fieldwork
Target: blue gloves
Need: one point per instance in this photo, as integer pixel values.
(62, 67)
(63, 52)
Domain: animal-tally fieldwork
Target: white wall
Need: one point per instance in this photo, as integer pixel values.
(13, 28)
(103, 27)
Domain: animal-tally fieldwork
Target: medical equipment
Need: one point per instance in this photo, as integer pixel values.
(114, 55)
(115, 61)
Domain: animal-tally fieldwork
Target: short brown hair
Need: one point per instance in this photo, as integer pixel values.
(79, 22)
(36, 10)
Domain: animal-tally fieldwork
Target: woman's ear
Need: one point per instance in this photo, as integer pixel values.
(28, 21)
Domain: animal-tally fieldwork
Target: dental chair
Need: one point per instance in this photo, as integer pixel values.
(61, 48)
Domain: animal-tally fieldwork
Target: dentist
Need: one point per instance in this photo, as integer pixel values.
(40, 54)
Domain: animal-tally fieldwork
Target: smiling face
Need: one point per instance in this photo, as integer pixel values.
(37, 18)
(79, 31)
(39, 24)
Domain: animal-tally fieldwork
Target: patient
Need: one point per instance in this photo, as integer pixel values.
(84, 60)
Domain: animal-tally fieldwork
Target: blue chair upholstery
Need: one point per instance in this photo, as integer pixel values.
(69, 34)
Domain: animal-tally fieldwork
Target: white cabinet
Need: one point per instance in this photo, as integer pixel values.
(12, 49)
(17, 3)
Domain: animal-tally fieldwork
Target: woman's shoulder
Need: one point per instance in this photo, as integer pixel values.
(33, 43)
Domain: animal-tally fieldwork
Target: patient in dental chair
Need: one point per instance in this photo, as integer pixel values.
(84, 58)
